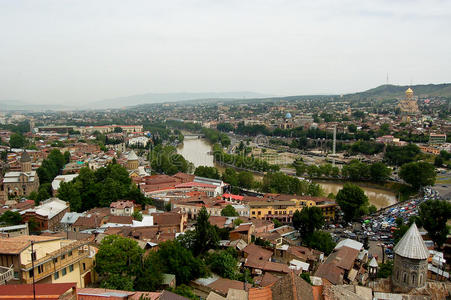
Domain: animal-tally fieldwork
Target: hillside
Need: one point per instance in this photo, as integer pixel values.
(171, 97)
(388, 91)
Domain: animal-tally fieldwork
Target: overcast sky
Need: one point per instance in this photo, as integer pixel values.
(81, 51)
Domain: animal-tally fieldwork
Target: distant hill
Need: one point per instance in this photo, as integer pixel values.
(388, 91)
(171, 97)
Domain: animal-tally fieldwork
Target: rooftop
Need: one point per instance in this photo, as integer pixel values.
(412, 245)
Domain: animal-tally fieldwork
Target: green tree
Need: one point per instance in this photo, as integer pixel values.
(434, 215)
(206, 236)
(352, 128)
(208, 172)
(277, 223)
(117, 129)
(224, 264)
(70, 193)
(246, 179)
(185, 291)
(137, 215)
(353, 201)
(229, 211)
(11, 218)
(17, 140)
(418, 174)
(150, 276)
(44, 193)
(385, 269)
(230, 176)
(308, 220)
(118, 260)
(379, 172)
(67, 157)
(438, 161)
(179, 261)
(372, 209)
(320, 240)
(117, 282)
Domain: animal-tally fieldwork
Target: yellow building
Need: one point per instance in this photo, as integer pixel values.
(57, 260)
(282, 207)
(409, 105)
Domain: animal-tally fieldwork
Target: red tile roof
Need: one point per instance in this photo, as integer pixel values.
(44, 290)
(264, 293)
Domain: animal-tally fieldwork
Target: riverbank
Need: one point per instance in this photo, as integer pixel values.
(198, 151)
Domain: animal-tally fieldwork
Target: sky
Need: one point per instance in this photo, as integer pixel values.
(80, 51)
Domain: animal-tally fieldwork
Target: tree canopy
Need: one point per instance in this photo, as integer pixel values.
(229, 211)
(308, 220)
(117, 261)
(418, 174)
(10, 218)
(434, 215)
(99, 188)
(353, 201)
(208, 172)
(17, 140)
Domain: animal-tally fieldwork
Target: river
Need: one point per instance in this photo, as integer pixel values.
(197, 151)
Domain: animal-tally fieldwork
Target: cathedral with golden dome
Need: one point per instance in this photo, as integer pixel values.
(409, 105)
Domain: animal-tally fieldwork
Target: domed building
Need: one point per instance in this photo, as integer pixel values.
(411, 261)
(409, 105)
(132, 161)
(288, 116)
(18, 184)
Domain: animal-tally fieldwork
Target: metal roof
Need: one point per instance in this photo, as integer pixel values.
(412, 245)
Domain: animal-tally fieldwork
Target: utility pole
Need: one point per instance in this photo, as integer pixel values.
(33, 257)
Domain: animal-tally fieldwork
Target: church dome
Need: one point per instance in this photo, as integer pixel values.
(288, 116)
(412, 245)
(409, 91)
(132, 156)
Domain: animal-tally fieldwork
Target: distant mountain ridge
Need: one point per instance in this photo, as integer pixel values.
(150, 98)
(388, 91)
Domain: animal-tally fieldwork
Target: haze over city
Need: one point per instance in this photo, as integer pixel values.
(78, 52)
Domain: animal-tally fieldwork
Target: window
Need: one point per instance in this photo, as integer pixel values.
(55, 260)
(421, 279)
(253, 212)
(40, 269)
(56, 275)
(259, 213)
(63, 272)
(404, 278)
(63, 256)
(397, 275)
(414, 279)
(269, 212)
(31, 273)
(70, 253)
(71, 268)
(84, 266)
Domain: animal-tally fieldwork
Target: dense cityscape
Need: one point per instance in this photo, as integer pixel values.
(225, 150)
(277, 198)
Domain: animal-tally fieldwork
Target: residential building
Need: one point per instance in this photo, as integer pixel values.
(47, 215)
(15, 230)
(57, 260)
(437, 138)
(122, 208)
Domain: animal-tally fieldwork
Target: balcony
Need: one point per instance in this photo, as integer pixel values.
(53, 261)
(6, 274)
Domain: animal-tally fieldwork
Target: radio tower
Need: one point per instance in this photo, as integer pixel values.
(334, 144)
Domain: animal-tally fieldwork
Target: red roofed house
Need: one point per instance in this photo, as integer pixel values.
(122, 208)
